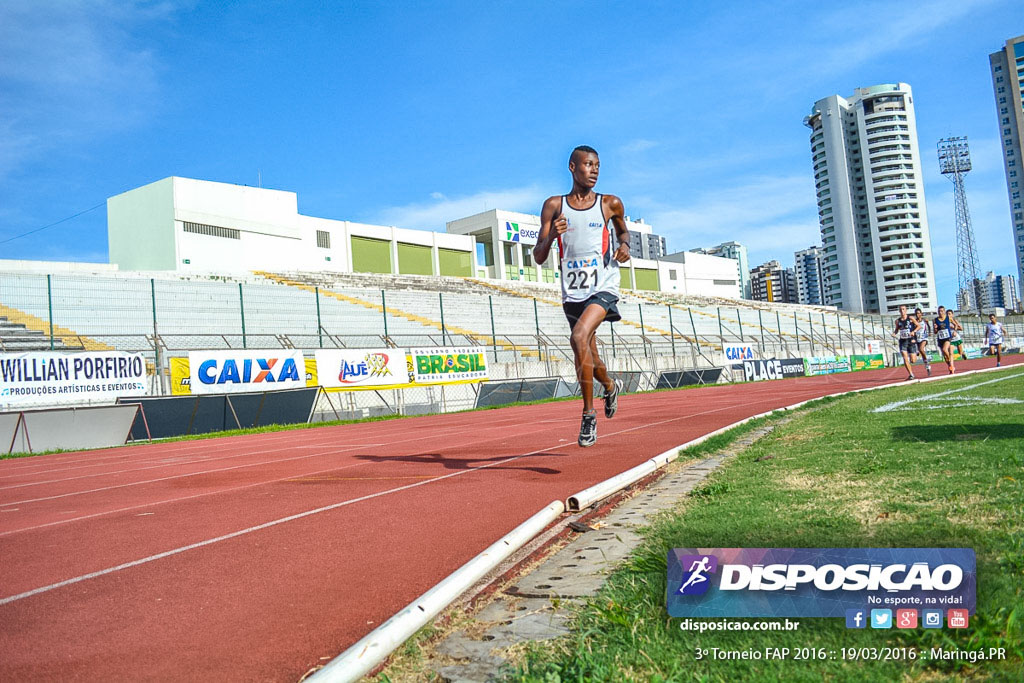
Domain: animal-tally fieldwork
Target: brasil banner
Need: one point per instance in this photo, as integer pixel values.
(448, 365)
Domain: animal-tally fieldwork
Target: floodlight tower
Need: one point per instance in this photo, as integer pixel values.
(954, 163)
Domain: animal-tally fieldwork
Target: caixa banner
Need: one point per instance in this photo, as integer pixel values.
(816, 582)
(222, 372)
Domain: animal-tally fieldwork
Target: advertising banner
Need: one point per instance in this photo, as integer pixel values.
(245, 370)
(819, 582)
(873, 347)
(51, 378)
(775, 368)
(361, 368)
(524, 233)
(826, 365)
(449, 365)
(871, 362)
(738, 352)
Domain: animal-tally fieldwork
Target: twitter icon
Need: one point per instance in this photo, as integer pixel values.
(881, 618)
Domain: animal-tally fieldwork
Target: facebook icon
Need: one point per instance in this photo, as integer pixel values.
(855, 618)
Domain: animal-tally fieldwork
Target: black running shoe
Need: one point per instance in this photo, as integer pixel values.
(611, 399)
(588, 430)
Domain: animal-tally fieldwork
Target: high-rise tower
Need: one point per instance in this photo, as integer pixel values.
(876, 251)
(1008, 83)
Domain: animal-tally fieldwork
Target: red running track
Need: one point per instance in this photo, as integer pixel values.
(258, 557)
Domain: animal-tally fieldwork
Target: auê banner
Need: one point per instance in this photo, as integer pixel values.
(447, 365)
(361, 368)
(39, 378)
(775, 368)
(818, 582)
(826, 365)
(872, 362)
(238, 371)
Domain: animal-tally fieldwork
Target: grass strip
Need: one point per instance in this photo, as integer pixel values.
(939, 472)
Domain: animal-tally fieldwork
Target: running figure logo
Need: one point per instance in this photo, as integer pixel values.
(695, 580)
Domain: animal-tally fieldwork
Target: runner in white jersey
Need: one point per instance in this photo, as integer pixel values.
(994, 338)
(921, 340)
(582, 223)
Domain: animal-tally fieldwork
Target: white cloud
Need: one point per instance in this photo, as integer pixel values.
(903, 26)
(72, 70)
(638, 145)
(772, 216)
(433, 215)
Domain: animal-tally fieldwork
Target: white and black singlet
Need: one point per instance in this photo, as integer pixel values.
(585, 253)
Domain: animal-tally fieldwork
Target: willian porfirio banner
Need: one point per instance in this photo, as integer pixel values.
(817, 582)
(243, 370)
(40, 378)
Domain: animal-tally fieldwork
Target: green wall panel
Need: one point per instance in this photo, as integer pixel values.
(458, 263)
(646, 279)
(414, 259)
(370, 255)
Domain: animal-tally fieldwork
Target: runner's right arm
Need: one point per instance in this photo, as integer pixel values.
(552, 224)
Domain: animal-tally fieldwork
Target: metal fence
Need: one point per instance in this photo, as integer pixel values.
(163, 317)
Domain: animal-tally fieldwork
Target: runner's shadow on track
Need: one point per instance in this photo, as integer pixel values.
(457, 463)
(960, 432)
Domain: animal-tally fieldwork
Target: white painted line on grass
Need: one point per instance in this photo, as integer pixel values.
(899, 404)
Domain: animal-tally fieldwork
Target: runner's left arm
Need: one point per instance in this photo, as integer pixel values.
(617, 216)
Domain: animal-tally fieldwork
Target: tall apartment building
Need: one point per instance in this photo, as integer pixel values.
(646, 245)
(876, 251)
(1001, 292)
(1008, 83)
(809, 282)
(738, 253)
(771, 282)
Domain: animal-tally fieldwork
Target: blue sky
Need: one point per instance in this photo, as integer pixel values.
(411, 114)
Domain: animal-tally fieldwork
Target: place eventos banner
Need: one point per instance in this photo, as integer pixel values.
(48, 377)
(872, 362)
(448, 365)
(361, 368)
(237, 371)
(816, 582)
(826, 365)
(775, 368)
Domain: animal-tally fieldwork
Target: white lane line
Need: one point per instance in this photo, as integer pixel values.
(175, 500)
(326, 508)
(235, 534)
(208, 449)
(393, 442)
(899, 404)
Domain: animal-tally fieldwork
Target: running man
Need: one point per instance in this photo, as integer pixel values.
(589, 265)
(944, 329)
(906, 331)
(921, 341)
(994, 338)
(957, 340)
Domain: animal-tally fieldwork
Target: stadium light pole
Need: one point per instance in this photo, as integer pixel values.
(955, 163)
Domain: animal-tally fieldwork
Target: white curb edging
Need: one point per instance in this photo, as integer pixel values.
(601, 490)
(362, 657)
(374, 648)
